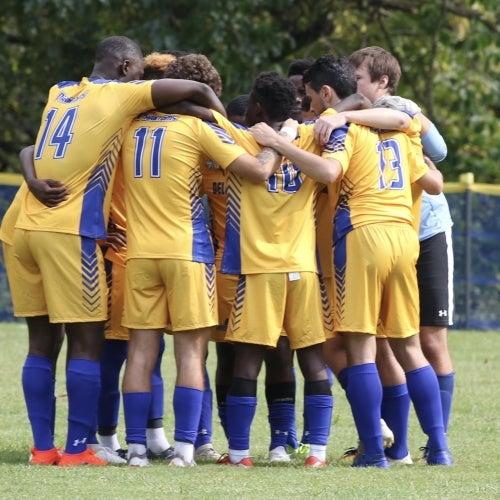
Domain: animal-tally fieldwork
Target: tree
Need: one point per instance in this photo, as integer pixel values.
(448, 51)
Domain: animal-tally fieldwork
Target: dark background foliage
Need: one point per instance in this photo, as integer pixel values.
(448, 50)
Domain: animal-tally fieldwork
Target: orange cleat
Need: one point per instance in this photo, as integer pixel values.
(46, 457)
(314, 462)
(86, 457)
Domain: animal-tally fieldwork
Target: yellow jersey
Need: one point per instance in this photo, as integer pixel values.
(78, 143)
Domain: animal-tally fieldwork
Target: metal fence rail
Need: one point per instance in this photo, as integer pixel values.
(475, 209)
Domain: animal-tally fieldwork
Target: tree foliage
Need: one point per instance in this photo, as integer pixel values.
(448, 50)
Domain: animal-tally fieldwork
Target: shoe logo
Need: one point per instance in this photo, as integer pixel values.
(442, 312)
(76, 442)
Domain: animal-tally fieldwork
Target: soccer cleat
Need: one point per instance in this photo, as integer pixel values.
(46, 457)
(365, 460)
(107, 454)
(400, 461)
(207, 452)
(87, 457)
(425, 452)
(387, 434)
(244, 462)
(439, 457)
(301, 451)
(122, 453)
(180, 462)
(349, 454)
(314, 462)
(278, 454)
(166, 454)
(138, 460)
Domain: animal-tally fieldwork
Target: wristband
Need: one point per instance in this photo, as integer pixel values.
(287, 132)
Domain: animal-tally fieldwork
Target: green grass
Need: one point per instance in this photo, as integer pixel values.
(474, 438)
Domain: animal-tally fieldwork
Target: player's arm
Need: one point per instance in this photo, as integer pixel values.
(191, 109)
(432, 181)
(433, 143)
(46, 191)
(325, 170)
(381, 118)
(261, 167)
(352, 102)
(169, 90)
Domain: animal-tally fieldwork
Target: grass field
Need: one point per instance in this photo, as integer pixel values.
(474, 438)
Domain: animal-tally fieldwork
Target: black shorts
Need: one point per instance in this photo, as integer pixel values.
(435, 280)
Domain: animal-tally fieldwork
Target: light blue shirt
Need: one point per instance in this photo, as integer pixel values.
(435, 215)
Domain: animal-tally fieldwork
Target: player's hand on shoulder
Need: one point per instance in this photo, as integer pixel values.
(325, 125)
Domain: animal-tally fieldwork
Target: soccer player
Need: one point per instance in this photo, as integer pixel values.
(170, 258)
(295, 71)
(375, 251)
(378, 73)
(78, 142)
(270, 243)
(51, 193)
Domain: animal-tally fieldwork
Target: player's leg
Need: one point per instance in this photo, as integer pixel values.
(204, 449)
(280, 397)
(402, 329)
(112, 360)
(395, 408)
(158, 445)
(241, 402)
(226, 289)
(44, 343)
(190, 349)
(435, 283)
(305, 327)
(38, 381)
(252, 334)
(193, 323)
(136, 388)
(354, 285)
(318, 403)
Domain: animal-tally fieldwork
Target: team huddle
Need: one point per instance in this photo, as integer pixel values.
(306, 218)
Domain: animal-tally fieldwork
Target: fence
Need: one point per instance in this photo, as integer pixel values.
(475, 210)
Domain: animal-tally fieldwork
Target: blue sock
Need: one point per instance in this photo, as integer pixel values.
(83, 384)
(136, 407)
(395, 412)
(157, 408)
(343, 377)
(240, 411)
(281, 419)
(187, 411)
(365, 397)
(38, 387)
(113, 356)
(92, 437)
(221, 411)
(446, 386)
(204, 435)
(424, 393)
(318, 410)
(53, 414)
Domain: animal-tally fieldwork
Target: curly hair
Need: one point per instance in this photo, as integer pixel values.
(275, 93)
(155, 65)
(195, 67)
(336, 72)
